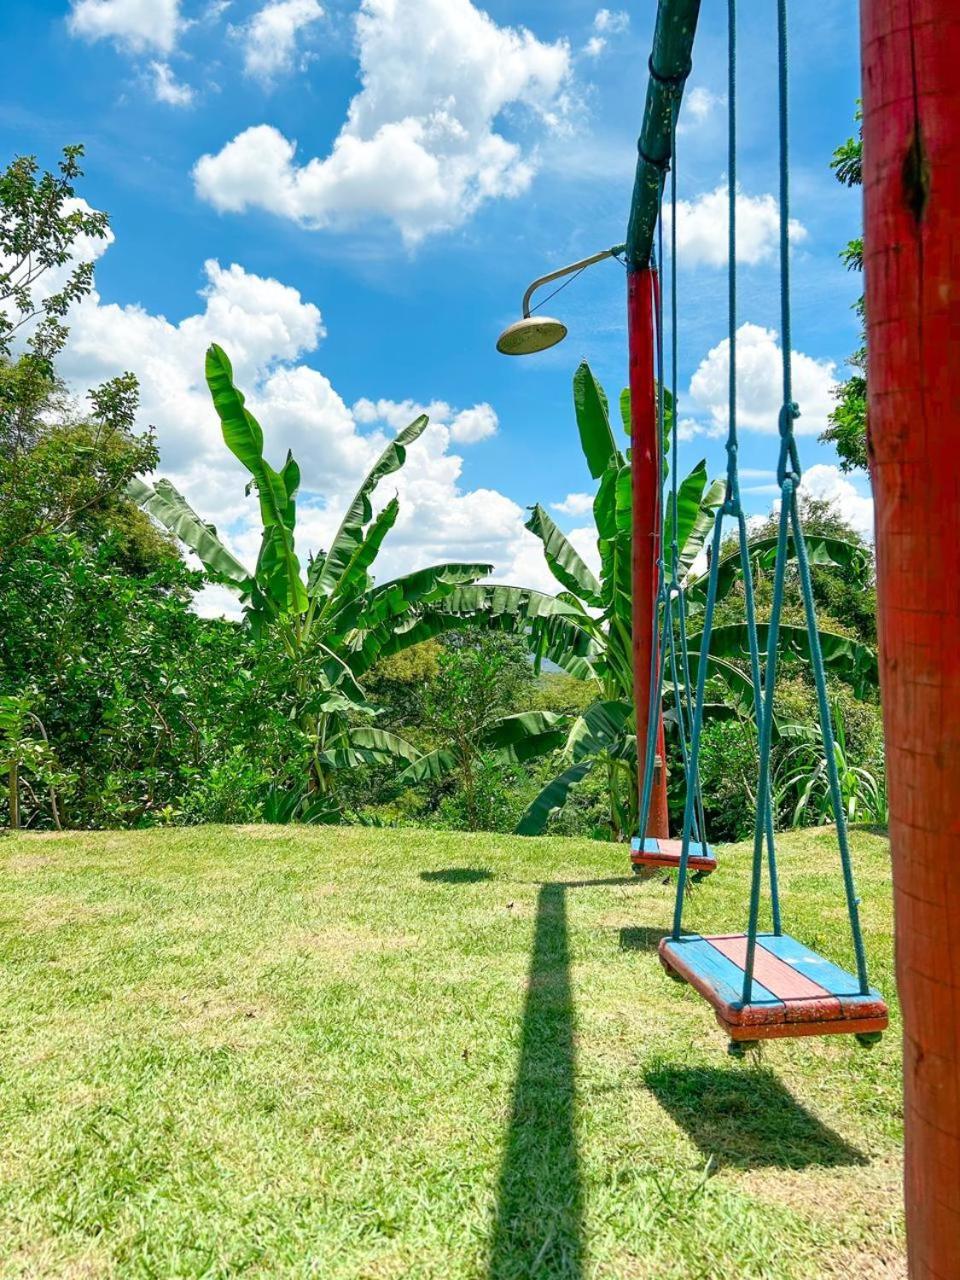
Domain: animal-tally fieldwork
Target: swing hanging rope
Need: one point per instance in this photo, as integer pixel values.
(790, 528)
(788, 477)
(731, 506)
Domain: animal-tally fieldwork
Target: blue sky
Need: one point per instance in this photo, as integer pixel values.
(351, 197)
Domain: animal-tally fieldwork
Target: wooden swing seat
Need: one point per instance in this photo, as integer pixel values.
(666, 853)
(796, 992)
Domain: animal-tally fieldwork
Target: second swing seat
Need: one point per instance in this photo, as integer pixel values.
(667, 853)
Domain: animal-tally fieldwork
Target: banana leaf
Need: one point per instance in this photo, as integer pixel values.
(563, 559)
(600, 728)
(170, 507)
(593, 422)
(430, 767)
(552, 797)
(327, 570)
(842, 656)
(524, 736)
(278, 570)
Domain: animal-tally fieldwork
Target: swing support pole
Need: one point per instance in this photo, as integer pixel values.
(669, 67)
(911, 148)
(647, 524)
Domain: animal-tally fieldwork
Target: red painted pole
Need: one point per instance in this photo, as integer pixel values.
(911, 93)
(647, 525)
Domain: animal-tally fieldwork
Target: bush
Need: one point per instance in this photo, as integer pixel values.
(232, 791)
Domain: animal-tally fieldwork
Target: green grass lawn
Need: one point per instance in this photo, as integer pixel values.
(358, 1053)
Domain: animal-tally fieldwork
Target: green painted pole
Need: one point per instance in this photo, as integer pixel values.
(670, 63)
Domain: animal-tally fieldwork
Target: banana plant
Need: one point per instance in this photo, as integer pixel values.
(593, 638)
(333, 621)
(801, 784)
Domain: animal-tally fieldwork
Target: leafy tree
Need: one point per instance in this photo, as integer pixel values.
(469, 705)
(848, 421)
(42, 223)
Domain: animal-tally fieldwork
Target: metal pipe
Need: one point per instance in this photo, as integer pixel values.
(670, 63)
(567, 271)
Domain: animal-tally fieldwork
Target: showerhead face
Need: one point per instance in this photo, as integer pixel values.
(534, 333)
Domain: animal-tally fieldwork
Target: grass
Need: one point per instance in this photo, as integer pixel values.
(282, 1052)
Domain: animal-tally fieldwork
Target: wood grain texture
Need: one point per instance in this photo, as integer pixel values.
(911, 128)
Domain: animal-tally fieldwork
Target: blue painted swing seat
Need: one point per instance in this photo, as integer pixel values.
(666, 854)
(795, 991)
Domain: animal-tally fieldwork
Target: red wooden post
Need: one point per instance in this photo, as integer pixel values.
(647, 524)
(911, 92)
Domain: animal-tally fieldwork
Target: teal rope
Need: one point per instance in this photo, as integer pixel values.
(731, 506)
(788, 475)
(658, 645)
(677, 595)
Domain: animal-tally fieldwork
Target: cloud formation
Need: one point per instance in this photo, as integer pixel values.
(702, 229)
(267, 328)
(574, 504)
(420, 144)
(759, 385)
(271, 36)
(167, 88)
(136, 25)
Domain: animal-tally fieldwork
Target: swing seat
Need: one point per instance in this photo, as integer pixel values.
(796, 992)
(666, 853)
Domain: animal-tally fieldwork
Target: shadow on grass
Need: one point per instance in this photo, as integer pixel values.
(642, 938)
(747, 1119)
(538, 1227)
(457, 875)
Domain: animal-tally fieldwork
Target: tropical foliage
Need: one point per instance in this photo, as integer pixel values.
(436, 697)
(598, 637)
(329, 625)
(848, 421)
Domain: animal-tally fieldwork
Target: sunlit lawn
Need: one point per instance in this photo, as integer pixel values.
(370, 1053)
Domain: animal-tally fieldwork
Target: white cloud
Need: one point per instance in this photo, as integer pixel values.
(698, 104)
(270, 37)
(135, 24)
(759, 384)
(472, 425)
(419, 145)
(611, 21)
(605, 23)
(690, 428)
(829, 484)
(267, 328)
(466, 426)
(167, 88)
(574, 504)
(702, 228)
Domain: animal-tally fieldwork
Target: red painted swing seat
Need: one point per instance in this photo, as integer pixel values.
(795, 992)
(666, 854)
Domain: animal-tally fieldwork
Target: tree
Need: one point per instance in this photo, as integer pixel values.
(58, 466)
(848, 421)
(42, 222)
(469, 705)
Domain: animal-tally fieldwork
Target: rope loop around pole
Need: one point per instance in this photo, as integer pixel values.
(662, 165)
(673, 84)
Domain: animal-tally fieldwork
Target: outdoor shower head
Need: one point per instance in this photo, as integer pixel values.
(537, 333)
(531, 334)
